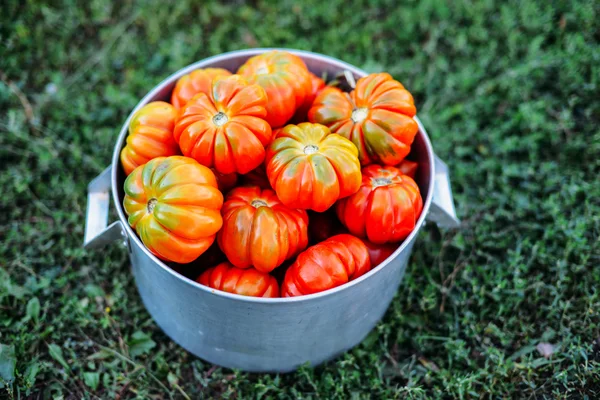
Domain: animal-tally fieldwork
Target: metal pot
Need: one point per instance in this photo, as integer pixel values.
(256, 334)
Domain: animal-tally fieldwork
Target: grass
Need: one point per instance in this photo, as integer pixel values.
(509, 94)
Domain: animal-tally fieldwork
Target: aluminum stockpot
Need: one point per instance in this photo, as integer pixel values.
(257, 334)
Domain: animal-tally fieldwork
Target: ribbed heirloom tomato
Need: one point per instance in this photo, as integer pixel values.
(246, 282)
(174, 205)
(326, 265)
(227, 129)
(377, 116)
(310, 168)
(198, 81)
(386, 207)
(258, 230)
(150, 135)
(284, 77)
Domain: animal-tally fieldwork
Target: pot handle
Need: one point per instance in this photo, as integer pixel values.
(442, 211)
(97, 234)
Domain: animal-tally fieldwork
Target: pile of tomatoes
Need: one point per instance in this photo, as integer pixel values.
(295, 185)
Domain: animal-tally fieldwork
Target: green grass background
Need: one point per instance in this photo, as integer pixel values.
(509, 92)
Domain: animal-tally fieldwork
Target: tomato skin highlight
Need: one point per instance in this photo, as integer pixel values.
(377, 117)
(386, 207)
(259, 231)
(150, 135)
(310, 168)
(174, 205)
(326, 265)
(246, 282)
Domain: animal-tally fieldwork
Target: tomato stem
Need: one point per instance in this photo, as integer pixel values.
(151, 204)
(380, 182)
(359, 114)
(310, 149)
(220, 118)
(258, 203)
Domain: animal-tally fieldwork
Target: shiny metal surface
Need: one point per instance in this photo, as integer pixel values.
(256, 334)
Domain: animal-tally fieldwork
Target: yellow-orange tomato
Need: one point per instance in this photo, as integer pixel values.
(259, 231)
(377, 117)
(326, 265)
(310, 168)
(386, 207)
(286, 80)
(198, 81)
(246, 282)
(174, 206)
(150, 135)
(225, 130)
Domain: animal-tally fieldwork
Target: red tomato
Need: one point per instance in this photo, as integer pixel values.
(246, 282)
(326, 265)
(386, 207)
(259, 231)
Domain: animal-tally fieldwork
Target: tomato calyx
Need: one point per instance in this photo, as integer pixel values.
(151, 204)
(377, 182)
(220, 118)
(310, 149)
(258, 203)
(359, 114)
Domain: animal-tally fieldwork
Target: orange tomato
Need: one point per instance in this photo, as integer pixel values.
(286, 80)
(150, 135)
(377, 117)
(310, 168)
(174, 206)
(326, 265)
(258, 230)
(225, 130)
(316, 85)
(246, 282)
(198, 81)
(386, 207)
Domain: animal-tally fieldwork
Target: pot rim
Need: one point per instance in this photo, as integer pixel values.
(208, 290)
